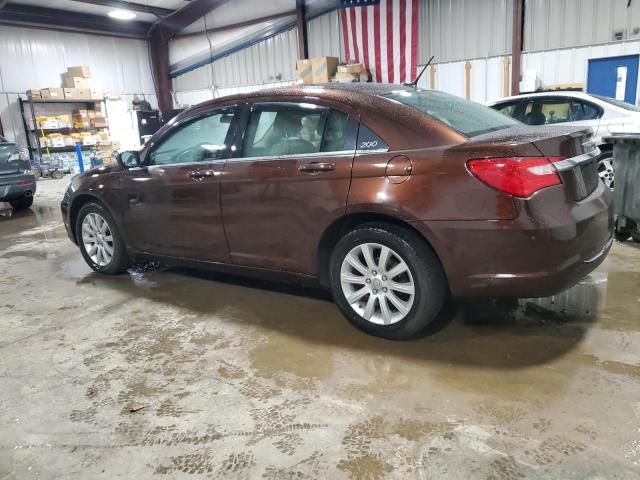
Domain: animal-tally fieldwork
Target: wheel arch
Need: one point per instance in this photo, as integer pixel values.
(334, 232)
(80, 201)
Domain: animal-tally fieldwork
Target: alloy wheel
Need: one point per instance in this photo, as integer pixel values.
(377, 283)
(97, 239)
(606, 172)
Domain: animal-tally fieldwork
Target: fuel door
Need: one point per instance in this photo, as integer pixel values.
(398, 169)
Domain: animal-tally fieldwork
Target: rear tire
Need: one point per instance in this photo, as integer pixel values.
(22, 203)
(100, 241)
(396, 294)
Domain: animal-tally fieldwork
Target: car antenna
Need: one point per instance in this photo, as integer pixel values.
(414, 84)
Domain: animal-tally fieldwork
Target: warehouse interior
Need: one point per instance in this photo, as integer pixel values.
(172, 370)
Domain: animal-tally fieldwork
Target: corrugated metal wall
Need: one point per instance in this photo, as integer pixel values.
(324, 34)
(486, 77)
(570, 65)
(34, 59)
(553, 24)
(272, 60)
(462, 29)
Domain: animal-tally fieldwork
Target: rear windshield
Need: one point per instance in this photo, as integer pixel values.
(469, 118)
(617, 103)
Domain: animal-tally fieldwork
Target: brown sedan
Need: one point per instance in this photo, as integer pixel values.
(391, 196)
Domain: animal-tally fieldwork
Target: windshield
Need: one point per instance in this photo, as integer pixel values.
(469, 118)
(617, 103)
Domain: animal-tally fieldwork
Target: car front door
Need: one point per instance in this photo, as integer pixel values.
(287, 184)
(172, 203)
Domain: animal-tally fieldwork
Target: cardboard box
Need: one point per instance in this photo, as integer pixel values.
(344, 77)
(84, 93)
(79, 71)
(70, 93)
(74, 82)
(53, 93)
(324, 68)
(34, 94)
(99, 122)
(96, 95)
(351, 68)
(44, 94)
(304, 71)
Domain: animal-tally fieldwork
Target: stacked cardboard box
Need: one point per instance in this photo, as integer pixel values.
(316, 70)
(351, 72)
(77, 83)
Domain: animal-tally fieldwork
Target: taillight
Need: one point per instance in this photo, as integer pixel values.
(517, 176)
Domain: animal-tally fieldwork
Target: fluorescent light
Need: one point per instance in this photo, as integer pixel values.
(122, 14)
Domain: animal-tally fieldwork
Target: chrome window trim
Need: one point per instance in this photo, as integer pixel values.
(569, 163)
(311, 155)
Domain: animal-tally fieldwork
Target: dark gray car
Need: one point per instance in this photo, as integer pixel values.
(17, 181)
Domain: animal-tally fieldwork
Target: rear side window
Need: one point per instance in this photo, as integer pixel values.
(277, 130)
(468, 118)
(584, 110)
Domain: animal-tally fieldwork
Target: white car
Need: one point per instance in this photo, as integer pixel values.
(605, 115)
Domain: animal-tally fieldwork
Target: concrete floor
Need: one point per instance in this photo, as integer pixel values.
(180, 374)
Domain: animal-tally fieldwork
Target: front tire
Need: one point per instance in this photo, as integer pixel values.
(100, 241)
(387, 281)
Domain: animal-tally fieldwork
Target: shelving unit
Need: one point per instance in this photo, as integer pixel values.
(33, 141)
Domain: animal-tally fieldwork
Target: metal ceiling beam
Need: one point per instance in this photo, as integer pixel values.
(51, 19)
(303, 44)
(232, 26)
(186, 15)
(159, 37)
(134, 7)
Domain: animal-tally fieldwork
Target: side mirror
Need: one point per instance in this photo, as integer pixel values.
(129, 159)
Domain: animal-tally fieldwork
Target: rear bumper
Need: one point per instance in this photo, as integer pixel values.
(13, 187)
(551, 245)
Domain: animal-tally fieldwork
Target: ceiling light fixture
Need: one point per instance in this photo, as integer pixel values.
(122, 14)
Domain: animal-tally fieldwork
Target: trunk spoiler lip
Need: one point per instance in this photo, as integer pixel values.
(573, 162)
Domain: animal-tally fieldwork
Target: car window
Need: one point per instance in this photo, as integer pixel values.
(369, 140)
(283, 130)
(468, 118)
(203, 139)
(582, 110)
(506, 108)
(335, 137)
(276, 130)
(547, 111)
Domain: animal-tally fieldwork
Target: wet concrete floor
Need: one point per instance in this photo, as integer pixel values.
(184, 374)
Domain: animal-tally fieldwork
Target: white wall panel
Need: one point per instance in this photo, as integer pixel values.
(486, 75)
(554, 24)
(462, 29)
(272, 60)
(570, 65)
(193, 97)
(324, 35)
(34, 59)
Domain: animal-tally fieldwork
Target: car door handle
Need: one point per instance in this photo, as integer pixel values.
(317, 167)
(199, 174)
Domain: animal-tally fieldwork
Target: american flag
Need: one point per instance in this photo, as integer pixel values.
(382, 35)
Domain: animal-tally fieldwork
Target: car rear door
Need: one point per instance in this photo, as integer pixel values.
(171, 205)
(288, 182)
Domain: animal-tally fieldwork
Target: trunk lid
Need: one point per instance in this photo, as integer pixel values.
(10, 166)
(579, 172)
